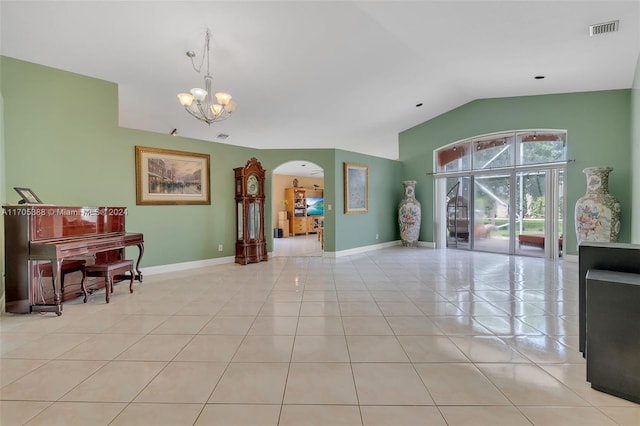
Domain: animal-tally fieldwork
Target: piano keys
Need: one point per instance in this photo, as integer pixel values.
(53, 234)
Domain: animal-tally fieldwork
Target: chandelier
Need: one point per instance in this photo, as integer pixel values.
(201, 103)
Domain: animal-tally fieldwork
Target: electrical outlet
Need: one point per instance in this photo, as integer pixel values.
(377, 236)
(329, 207)
(220, 247)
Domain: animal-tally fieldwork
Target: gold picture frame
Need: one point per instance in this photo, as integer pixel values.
(168, 177)
(356, 188)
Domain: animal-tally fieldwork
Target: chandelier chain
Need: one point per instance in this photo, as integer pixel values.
(205, 51)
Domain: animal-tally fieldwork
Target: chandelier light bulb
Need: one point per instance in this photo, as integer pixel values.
(199, 94)
(223, 98)
(186, 99)
(231, 106)
(216, 109)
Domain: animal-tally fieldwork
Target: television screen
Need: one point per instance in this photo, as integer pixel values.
(315, 206)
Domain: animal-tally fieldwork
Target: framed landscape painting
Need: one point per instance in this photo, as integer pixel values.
(356, 188)
(166, 177)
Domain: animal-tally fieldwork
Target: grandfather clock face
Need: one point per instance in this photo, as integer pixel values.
(253, 185)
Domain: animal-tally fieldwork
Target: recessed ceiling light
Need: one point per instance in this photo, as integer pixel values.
(418, 105)
(539, 77)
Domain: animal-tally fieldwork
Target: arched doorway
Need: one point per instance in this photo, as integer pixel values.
(297, 188)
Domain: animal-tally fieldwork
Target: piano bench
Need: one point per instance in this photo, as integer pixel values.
(108, 270)
(67, 267)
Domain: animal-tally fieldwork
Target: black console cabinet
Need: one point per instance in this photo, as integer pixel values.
(613, 333)
(619, 257)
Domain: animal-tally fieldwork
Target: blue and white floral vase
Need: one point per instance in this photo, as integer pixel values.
(409, 215)
(597, 212)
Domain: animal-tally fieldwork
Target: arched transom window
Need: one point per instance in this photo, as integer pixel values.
(503, 150)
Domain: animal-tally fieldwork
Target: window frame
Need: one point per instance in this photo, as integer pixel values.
(463, 150)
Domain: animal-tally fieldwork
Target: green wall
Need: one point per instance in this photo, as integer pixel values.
(598, 125)
(385, 192)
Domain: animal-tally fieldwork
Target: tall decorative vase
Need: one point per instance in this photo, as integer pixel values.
(597, 212)
(409, 215)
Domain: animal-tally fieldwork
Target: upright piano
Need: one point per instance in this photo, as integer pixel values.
(40, 238)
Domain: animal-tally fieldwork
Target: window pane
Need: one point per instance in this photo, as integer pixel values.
(530, 208)
(542, 147)
(493, 152)
(492, 212)
(454, 158)
(458, 190)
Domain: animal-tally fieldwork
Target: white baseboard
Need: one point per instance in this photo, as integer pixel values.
(161, 269)
(573, 258)
(363, 249)
(153, 270)
(426, 244)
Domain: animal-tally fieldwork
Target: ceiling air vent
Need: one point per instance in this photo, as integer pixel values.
(222, 136)
(603, 28)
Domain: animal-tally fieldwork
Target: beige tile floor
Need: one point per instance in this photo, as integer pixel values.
(398, 336)
(299, 246)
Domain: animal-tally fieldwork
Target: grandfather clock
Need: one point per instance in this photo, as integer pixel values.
(251, 245)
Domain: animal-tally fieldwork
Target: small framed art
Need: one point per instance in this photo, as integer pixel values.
(356, 188)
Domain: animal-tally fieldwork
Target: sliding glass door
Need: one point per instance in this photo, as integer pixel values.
(519, 212)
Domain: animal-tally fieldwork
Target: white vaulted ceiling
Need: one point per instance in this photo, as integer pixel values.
(325, 74)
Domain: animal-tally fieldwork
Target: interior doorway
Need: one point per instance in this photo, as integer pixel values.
(298, 209)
